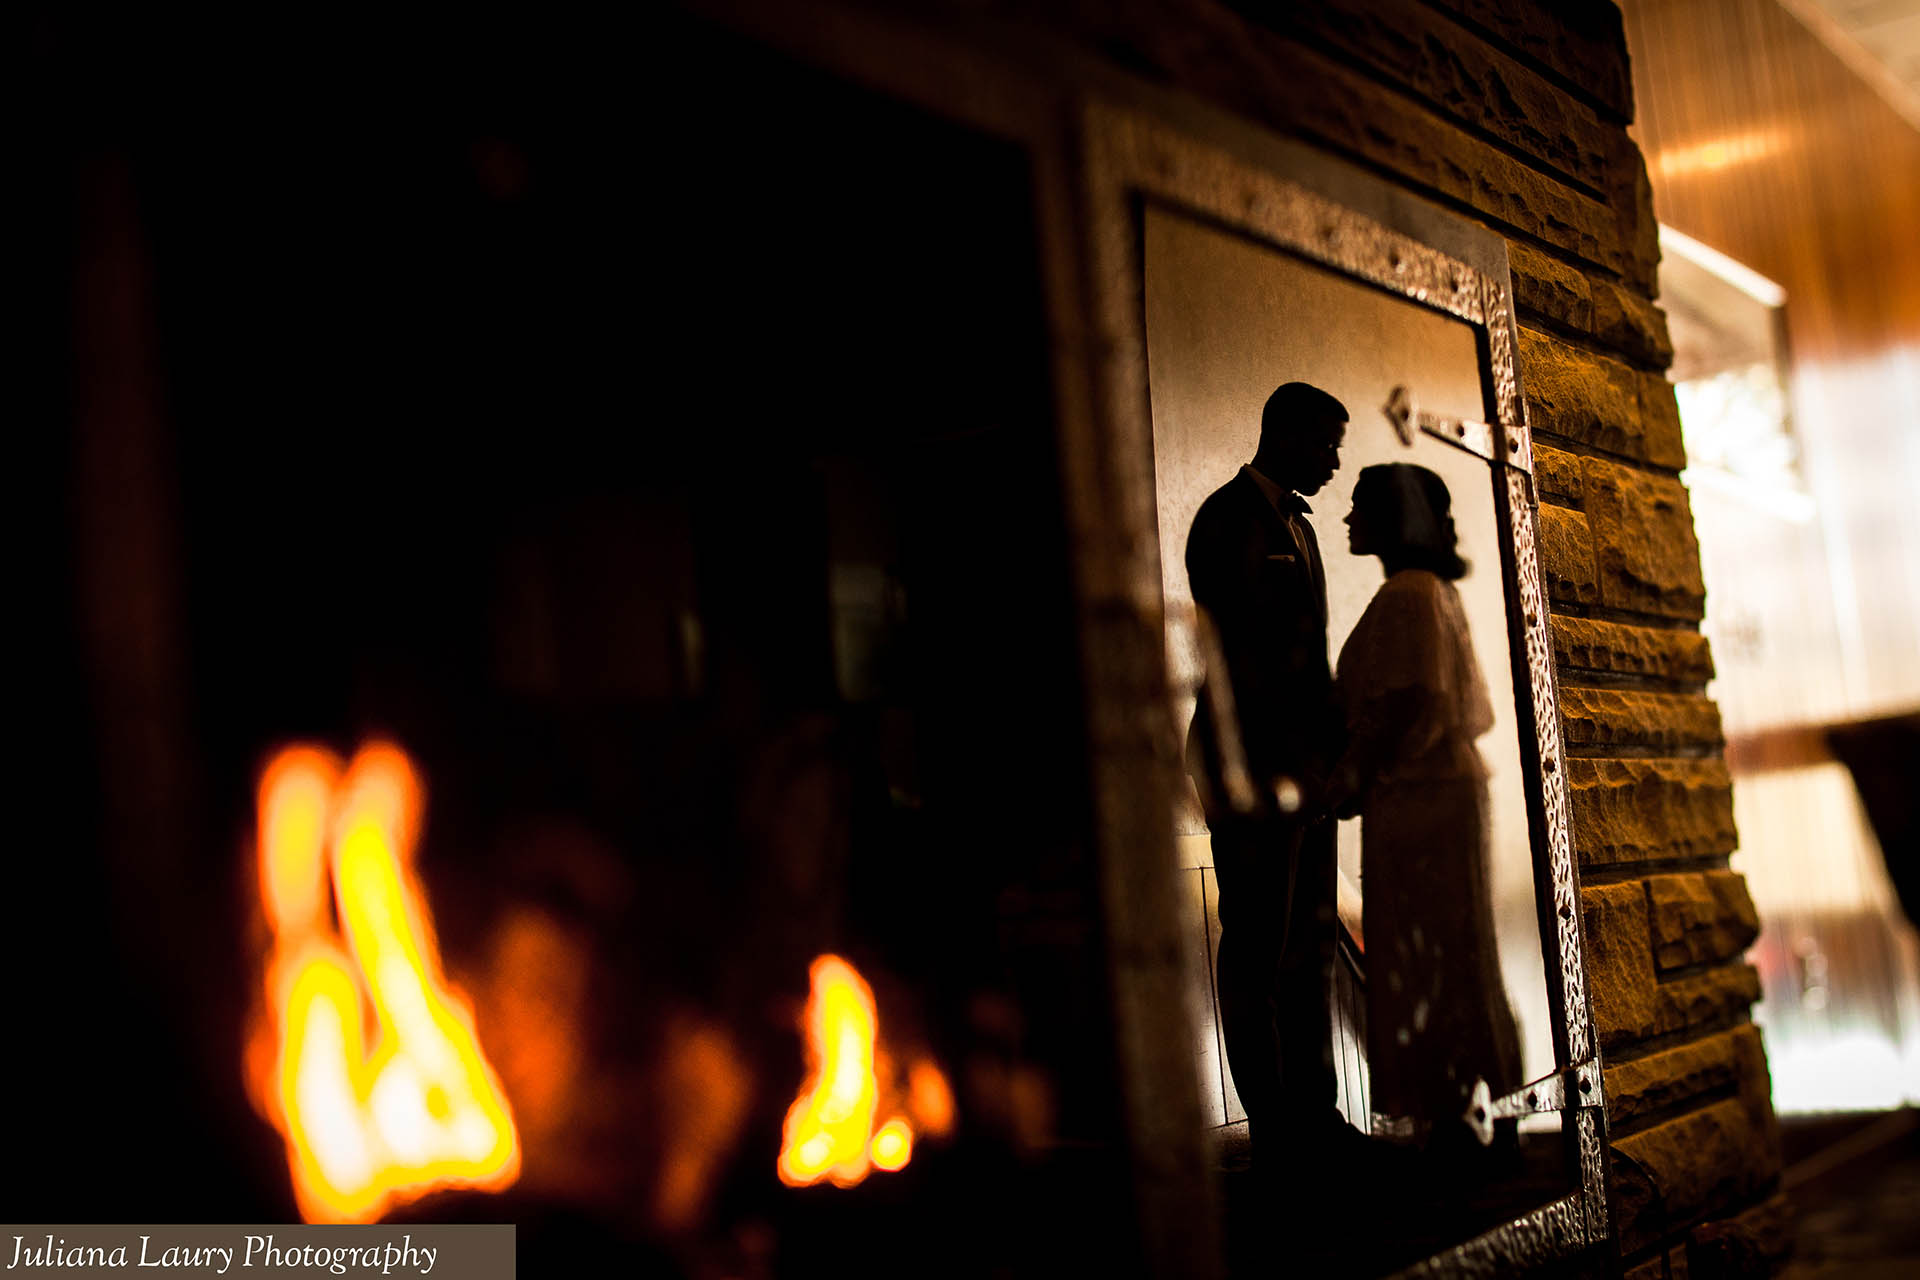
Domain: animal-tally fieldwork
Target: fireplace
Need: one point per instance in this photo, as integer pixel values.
(681, 512)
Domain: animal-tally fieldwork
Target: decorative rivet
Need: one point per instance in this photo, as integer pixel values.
(1586, 1085)
(1533, 1099)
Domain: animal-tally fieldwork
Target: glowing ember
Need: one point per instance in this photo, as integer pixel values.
(702, 1070)
(830, 1132)
(367, 1127)
(929, 1099)
(892, 1146)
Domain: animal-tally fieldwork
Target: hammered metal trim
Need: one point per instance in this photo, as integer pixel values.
(1514, 445)
(1555, 805)
(1560, 1091)
(1476, 438)
(1157, 162)
(1590, 1125)
(1552, 1231)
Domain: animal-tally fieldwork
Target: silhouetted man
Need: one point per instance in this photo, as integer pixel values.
(1255, 570)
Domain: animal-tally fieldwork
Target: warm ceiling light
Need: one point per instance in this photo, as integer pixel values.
(1719, 153)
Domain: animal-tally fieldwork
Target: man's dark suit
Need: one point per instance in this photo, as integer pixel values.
(1257, 575)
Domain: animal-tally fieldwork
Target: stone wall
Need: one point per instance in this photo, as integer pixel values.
(1514, 114)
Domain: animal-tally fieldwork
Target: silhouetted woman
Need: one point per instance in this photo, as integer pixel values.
(1437, 1011)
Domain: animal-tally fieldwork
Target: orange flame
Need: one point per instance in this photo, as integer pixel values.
(830, 1132)
(366, 1128)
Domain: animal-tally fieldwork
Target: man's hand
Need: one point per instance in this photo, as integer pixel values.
(1341, 794)
(1305, 797)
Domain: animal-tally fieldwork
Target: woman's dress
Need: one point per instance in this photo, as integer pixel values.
(1437, 1010)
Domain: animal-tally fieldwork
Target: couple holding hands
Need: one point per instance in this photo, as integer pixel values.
(1284, 745)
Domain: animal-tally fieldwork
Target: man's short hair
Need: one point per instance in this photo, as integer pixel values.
(1294, 405)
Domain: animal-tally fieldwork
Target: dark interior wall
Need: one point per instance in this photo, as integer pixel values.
(691, 550)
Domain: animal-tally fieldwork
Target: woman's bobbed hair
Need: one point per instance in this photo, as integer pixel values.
(1413, 516)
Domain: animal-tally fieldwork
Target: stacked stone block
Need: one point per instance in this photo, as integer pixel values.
(1515, 114)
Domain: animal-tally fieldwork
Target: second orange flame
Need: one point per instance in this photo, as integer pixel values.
(830, 1133)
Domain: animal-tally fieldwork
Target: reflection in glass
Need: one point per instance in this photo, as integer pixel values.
(1435, 982)
(1437, 1013)
(1265, 730)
